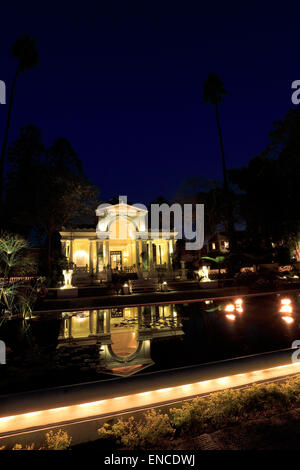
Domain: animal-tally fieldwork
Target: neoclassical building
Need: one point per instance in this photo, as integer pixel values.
(120, 241)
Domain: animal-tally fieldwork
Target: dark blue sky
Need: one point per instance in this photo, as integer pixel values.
(124, 84)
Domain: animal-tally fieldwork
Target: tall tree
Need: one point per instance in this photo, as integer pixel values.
(50, 191)
(213, 92)
(25, 52)
(66, 195)
(25, 157)
(208, 192)
(270, 185)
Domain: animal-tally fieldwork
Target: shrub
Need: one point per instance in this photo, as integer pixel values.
(20, 447)
(59, 440)
(133, 434)
(203, 414)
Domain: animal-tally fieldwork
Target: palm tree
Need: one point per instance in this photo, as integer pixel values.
(25, 52)
(213, 92)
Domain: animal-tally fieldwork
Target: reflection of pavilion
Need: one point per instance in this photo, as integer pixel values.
(124, 335)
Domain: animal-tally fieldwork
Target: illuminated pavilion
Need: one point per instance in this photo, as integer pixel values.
(121, 241)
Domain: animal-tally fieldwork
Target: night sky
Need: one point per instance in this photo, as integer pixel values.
(124, 84)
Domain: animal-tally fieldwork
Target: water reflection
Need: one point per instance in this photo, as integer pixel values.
(286, 308)
(204, 331)
(123, 335)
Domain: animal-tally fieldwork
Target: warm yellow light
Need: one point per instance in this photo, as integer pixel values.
(92, 403)
(6, 418)
(81, 257)
(186, 386)
(287, 319)
(223, 379)
(229, 308)
(203, 273)
(80, 317)
(239, 309)
(230, 316)
(33, 413)
(149, 398)
(238, 301)
(67, 279)
(286, 309)
(285, 301)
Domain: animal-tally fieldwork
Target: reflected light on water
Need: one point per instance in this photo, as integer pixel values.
(288, 319)
(230, 316)
(285, 301)
(229, 308)
(286, 309)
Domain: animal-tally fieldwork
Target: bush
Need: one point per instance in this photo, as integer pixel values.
(132, 434)
(203, 414)
(20, 447)
(59, 440)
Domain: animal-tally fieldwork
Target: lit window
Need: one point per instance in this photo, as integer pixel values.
(226, 244)
(213, 245)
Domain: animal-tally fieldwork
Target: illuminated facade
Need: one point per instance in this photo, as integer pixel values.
(121, 241)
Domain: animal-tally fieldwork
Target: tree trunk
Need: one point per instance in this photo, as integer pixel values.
(5, 138)
(225, 186)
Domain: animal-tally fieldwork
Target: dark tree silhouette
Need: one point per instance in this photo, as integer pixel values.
(213, 92)
(25, 52)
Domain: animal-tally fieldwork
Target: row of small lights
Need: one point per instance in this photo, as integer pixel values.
(229, 380)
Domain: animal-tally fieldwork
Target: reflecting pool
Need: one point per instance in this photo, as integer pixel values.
(90, 344)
